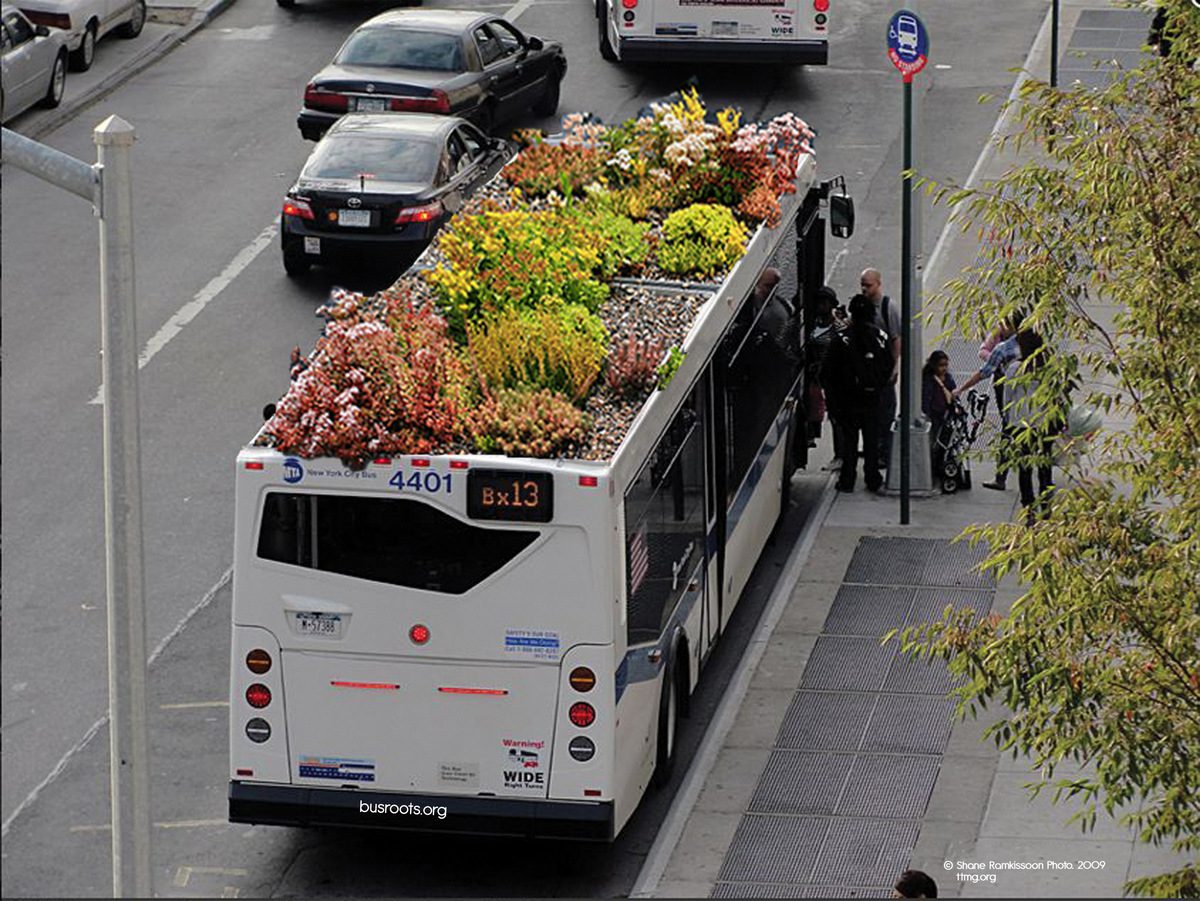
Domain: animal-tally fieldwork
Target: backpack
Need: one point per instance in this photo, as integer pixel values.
(870, 359)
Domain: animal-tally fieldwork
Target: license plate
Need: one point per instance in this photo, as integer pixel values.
(371, 105)
(325, 625)
(355, 218)
(312, 245)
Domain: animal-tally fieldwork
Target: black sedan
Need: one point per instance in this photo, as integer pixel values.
(381, 184)
(448, 61)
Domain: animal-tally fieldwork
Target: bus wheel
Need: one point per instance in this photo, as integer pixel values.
(606, 47)
(668, 724)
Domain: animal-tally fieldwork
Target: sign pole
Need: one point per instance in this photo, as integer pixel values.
(1054, 44)
(906, 282)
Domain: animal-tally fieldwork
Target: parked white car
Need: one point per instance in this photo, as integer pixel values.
(86, 21)
(34, 62)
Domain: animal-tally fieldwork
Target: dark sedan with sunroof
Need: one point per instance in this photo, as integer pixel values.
(455, 62)
(381, 184)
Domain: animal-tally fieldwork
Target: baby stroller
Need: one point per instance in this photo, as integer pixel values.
(954, 440)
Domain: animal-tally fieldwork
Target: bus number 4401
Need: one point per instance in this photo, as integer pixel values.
(431, 482)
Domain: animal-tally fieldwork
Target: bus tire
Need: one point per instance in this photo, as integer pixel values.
(669, 708)
(606, 47)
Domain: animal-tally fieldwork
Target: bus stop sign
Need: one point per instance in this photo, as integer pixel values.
(908, 43)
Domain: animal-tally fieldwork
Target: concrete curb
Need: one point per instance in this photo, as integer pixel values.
(148, 57)
(673, 824)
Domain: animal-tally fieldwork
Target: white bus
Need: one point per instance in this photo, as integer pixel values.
(752, 31)
(497, 645)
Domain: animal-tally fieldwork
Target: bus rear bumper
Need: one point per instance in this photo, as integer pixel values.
(800, 53)
(299, 805)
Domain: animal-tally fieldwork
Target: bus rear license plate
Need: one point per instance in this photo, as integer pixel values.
(326, 625)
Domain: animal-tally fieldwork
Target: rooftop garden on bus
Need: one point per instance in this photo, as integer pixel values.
(521, 337)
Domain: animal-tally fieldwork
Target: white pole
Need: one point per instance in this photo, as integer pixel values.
(129, 764)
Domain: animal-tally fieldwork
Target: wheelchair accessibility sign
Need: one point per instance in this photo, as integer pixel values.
(908, 43)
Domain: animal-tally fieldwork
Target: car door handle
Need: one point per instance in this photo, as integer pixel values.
(492, 79)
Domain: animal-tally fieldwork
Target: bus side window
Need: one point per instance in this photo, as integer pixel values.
(664, 526)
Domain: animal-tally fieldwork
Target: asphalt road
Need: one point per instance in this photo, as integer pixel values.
(217, 147)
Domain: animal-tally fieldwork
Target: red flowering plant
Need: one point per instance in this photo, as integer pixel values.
(384, 380)
(544, 168)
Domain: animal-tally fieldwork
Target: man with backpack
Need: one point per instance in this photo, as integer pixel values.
(857, 369)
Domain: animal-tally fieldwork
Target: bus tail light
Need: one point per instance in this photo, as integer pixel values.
(582, 679)
(258, 696)
(629, 4)
(254, 464)
(258, 730)
(589, 482)
(418, 634)
(459, 464)
(258, 661)
(582, 714)
(821, 6)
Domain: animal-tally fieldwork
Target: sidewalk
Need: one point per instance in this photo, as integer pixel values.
(844, 765)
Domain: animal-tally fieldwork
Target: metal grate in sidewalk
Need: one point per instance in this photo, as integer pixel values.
(838, 807)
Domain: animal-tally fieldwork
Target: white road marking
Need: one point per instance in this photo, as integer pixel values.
(173, 824)
(184, 874)
(203, 298)
(193, 705)
(96, 726)
(517, 9)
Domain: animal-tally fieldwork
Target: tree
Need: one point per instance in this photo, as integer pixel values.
(1095, 238)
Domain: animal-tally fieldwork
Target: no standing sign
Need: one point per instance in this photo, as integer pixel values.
(908, 43)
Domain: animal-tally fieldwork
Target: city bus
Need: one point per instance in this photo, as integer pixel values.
(752, 31)
(486, 644)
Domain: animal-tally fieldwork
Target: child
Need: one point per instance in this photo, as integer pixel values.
(937, 395)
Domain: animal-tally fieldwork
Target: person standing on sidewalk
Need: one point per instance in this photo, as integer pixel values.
(886, 317)
(1001, 362)
(1002, 333)
(856, 371)
(937, 386)
(820, 334)
(1026, 416)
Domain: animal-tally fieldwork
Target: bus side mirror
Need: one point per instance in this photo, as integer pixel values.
(841, 215)
(268, 411)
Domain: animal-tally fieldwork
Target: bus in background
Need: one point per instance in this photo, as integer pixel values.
(488, 644)
(751, 31)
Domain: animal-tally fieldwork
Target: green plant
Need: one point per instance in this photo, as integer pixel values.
(667, 368)
(632, 366)
(557, 346)
(542, 168)
(523, 423)
(701, 240)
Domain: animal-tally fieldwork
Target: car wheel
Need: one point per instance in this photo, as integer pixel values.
(295, 262)
(668, 724)
(58, 82)
(606, 47)
(547, 105)
(81, 59)
(137, 21)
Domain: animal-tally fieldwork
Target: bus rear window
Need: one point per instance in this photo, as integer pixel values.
(392, 540)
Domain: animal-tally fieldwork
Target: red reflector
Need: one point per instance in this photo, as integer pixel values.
(383, 461)
(245, 772)
(629, 4)
(821, 5)
(473, 691)
(591, 793)
(419, 461)
(254, 464)
(419, 634)
(458, 464)
(389, 686)
(582, 714)
(258, 696)
(588, 481)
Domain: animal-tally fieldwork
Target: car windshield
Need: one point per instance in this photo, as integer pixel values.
(402, 49)
(394, 158)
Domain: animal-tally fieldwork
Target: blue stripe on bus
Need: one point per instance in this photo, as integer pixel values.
(636, 665)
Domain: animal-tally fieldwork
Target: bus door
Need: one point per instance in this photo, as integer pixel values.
(714, 496)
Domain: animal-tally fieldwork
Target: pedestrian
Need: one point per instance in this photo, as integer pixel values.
(1026, 416)
(820, 334)
(886, 317)
(915, 884)
(1001, 363)
(937, 397)
(856, 370)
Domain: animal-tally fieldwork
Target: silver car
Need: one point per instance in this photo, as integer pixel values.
(34, 64)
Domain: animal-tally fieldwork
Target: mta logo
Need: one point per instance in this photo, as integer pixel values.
(293, 472)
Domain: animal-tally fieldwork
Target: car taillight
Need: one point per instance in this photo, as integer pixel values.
(294, 207)
(426, 213)
(50, 20)
(258, 696)
(436, 102)
(318, 98)
(821, 6)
